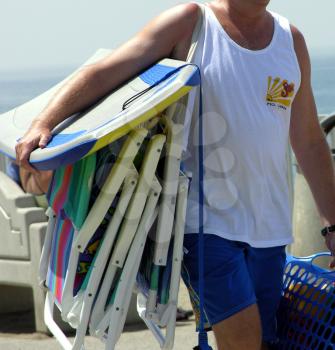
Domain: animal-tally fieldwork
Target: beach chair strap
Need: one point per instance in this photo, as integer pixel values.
(176, 111)
(202, 338)
(196, 34)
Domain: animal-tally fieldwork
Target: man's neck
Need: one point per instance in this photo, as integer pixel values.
(247, 11)
(247, 22)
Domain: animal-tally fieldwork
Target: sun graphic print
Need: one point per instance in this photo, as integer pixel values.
(279, 92)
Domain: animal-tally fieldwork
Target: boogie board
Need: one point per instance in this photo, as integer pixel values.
(135, 102)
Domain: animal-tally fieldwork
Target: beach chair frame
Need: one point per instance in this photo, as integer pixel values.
(154, 321)
(114, 318)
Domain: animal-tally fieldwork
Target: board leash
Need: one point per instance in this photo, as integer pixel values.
(132, 99)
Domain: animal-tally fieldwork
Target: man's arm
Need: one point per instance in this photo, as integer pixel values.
(309, 143)
(165, 36)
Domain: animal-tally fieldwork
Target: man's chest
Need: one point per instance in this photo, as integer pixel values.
(248, 37)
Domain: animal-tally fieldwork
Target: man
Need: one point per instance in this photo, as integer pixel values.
(256, 76)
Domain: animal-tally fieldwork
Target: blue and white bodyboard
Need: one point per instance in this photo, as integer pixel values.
(125, 108)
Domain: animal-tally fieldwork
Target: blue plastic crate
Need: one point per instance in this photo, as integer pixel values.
(306, 317)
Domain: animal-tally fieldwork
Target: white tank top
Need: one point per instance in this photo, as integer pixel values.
(247, 98)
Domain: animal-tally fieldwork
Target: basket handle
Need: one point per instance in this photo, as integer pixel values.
(310, 260)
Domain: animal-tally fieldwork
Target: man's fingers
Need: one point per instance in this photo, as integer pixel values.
(25, 164)
(34, 138)
(18, 151)
(23, 159)
(332, 263)
(44, 141)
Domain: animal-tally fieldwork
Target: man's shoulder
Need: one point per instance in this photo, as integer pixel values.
(179, 20)
(183, 19)
(301, 51)
(186, 14)
(188, 10)
(297, 35)
(300, 46)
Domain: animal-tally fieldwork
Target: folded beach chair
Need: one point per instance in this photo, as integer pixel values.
(95, 253)
(74, 237)
(173, 186)
(133, 218)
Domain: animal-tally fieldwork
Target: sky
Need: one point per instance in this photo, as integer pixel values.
(45, 34)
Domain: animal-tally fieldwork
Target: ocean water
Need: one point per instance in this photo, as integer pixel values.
(17, 88)
(323, 82)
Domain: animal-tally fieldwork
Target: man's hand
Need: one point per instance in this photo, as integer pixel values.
(330, 242)
(38, 135)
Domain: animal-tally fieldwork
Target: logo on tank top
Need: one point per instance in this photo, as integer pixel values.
(280, 93)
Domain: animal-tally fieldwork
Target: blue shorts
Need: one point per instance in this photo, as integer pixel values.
(236, 276)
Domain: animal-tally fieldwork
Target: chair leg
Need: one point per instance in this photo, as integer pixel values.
(36, 234)
(39, 298)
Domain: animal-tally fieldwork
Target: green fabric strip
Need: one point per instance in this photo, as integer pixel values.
(77, 205)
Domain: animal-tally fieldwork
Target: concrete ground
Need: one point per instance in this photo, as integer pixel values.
(16, 334)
